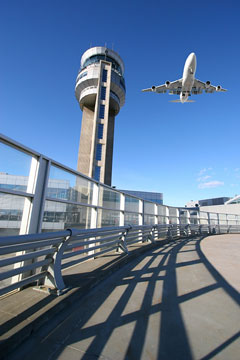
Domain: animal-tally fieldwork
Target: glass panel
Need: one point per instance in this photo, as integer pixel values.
(131, 219)
(97, 173)
(102, 111)
(203, 221)
(99, 152)
(222, 217)
(67, 186)
(109, 198)
(60, 216)
(162, 210)
(203, 215)
(173, 211)
(100, 131)
(173, 220)
(15, 168)
(104, 75)
(213, 216)
(194, 220)
(194, 217)
(173, 215)
(131, 204)
(162, 219)
(108, 218)
(103, 93)
(231, 217)
(232, 222)
(183, 216)
(11, 210)
(149, 219)
(183, 220)
(223, 222)
(149, 208)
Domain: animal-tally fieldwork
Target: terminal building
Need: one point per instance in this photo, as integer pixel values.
(208, 202)
(146, 195)
(219, 205)
(100, 91)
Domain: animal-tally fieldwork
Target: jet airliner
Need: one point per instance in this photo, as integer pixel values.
(187, 85)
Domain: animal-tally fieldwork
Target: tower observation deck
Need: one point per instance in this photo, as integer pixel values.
(100, 91)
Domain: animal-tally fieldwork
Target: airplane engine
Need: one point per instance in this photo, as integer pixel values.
(167, 83)
(207, 84)
(218, 88)
(154, 88)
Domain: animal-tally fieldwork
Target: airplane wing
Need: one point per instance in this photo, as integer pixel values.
(174, 87)
(199, 86)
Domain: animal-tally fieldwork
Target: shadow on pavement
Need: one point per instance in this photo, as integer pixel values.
(91, 340)
(89, 330)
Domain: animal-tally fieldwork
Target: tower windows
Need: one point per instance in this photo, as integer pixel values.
(104, 75)
(100, 131)
(99, 152)
(103, 93)
(97, 173)
(101, 111)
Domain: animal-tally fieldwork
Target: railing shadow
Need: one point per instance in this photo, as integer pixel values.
(90, 334)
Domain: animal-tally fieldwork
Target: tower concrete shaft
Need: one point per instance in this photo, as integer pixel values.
(100, 91)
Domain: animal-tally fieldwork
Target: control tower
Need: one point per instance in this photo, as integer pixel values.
(100, 91)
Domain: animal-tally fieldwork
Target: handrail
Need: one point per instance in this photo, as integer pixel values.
(42, 256)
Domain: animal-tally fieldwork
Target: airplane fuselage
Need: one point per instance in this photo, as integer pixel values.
(187, 85)
(188, 77)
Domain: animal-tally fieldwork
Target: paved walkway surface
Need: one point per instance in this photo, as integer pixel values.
(176, 301)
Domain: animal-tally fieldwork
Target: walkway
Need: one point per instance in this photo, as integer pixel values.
(169, 303)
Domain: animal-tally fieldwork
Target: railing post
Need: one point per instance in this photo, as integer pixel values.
(187, 230)
(54, 277)
(33, 212)
(122, 209)
(178, 225)
(209, 223)
(151, 235)
(122, 245)
(169, 232)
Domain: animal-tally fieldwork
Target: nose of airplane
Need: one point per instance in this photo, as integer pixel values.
(192, 56)
(192, 59)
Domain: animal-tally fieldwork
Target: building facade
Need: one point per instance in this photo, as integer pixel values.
(208, 202)
(100, 91)
(146, 195)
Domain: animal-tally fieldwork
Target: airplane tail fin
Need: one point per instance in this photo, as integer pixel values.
(179, 101)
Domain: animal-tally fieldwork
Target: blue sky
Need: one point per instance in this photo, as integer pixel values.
(187, 151)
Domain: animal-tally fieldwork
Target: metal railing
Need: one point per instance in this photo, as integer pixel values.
(38, 194)
(42, 257)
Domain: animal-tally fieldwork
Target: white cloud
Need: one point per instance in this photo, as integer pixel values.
(237, 169)
(202, 171)
(210, 184)
(203, 178)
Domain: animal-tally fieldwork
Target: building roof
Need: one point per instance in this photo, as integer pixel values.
(235, 200)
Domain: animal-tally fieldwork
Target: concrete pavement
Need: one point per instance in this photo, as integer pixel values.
(169, 303)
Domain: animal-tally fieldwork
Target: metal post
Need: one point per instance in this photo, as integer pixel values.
(122, 208)
(122, 245)
(33, 212)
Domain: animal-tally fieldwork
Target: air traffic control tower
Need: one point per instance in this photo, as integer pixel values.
(100, 91)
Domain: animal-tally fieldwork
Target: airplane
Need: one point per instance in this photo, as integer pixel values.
(187, 85)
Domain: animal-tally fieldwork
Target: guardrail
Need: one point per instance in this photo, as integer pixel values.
(42, 257)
